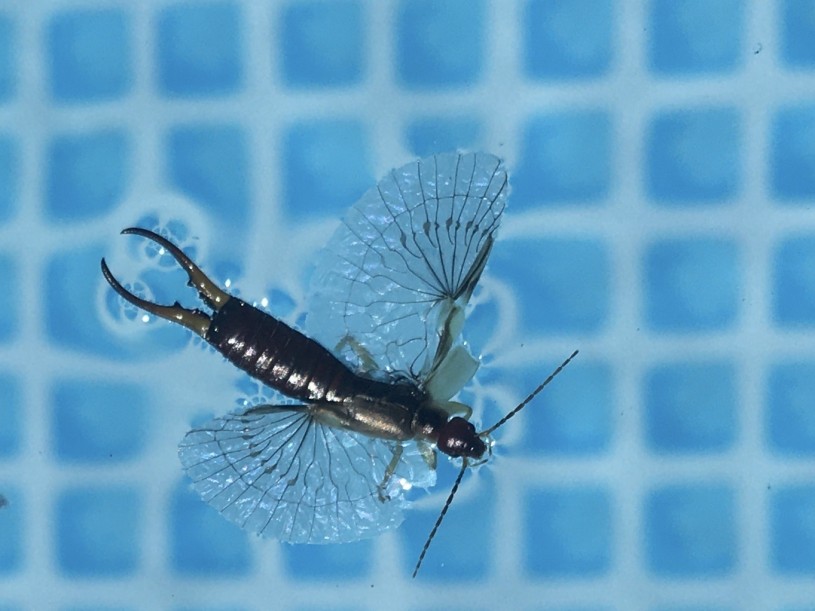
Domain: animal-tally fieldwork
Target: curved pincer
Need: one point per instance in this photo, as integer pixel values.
(210, 293)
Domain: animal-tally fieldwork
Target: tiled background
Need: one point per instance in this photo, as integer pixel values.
(662, 155)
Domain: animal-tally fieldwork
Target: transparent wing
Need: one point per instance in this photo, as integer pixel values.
(276, 471)
(397, 273)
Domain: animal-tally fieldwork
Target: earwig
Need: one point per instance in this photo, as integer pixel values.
(299, 367)
(357, 438)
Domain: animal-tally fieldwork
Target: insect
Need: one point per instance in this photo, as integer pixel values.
(389, 296)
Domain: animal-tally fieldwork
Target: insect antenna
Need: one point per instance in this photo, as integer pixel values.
(441, 517)
(531, 396)
(485, 433)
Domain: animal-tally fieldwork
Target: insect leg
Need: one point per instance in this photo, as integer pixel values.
(397, 455)
(210, 293)
(428, 452)
(365, 357)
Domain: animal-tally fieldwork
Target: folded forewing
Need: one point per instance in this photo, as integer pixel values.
(276, 471)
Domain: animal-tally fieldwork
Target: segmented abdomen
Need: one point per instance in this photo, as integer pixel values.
(277, 355)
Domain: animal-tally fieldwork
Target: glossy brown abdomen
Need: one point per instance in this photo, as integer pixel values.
(279, 356)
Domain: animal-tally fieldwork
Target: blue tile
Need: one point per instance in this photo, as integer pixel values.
(97, 421)
(70, 276)
(322, 43)
(202, 542)
(792, 529)
(98, 530)
(690, 530)
(574, 415)
(542, 272)
(210, 163)
(12, 529)
(199, 49)
(9, 322)
(89, 55)
(694, 156)
(568, 39)
(691, 407)
(576, 607)
(427, 55)
(691, 285)
(798, 33)
(11, 412)
(569, 532)
(794, 282)
(88, 174)
(8, 58)
(461, 551)
(9, 177)
(69, 321)
(789, 417)
(792, 158)
(565, 159)
(695, 36)
(328, 562)
(432, 134)
(326, 168)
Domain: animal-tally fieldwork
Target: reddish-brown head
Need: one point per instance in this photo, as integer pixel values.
(458, 438)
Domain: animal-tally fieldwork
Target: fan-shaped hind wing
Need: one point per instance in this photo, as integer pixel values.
(276, 471)
(396, 275)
